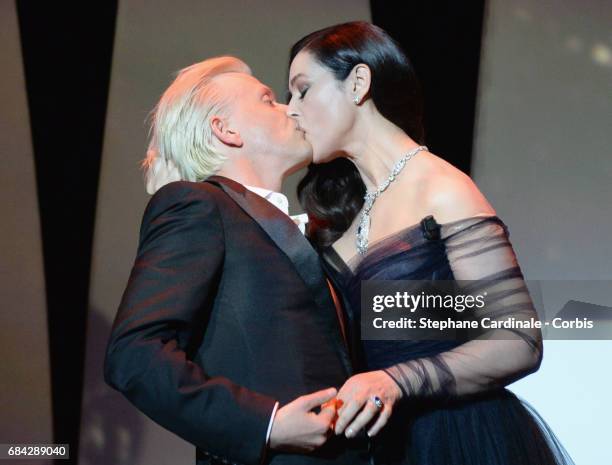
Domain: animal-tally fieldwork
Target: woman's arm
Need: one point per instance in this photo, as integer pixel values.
(478, 251)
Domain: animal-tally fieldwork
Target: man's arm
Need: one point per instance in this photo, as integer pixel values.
(164, 311)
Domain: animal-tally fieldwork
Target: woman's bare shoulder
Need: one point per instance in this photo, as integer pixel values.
(448, 193)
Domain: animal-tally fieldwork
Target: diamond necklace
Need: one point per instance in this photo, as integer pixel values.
(370, 197)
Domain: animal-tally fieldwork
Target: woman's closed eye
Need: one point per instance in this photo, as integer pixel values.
(300, 93)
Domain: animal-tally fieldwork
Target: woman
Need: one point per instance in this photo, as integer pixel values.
(355, 95)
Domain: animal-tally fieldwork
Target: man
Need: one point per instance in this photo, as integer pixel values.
(227, 334)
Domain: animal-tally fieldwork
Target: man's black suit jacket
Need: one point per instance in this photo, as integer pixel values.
(226, 311)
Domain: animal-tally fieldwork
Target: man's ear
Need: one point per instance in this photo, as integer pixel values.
(224, 132)
(360, 79)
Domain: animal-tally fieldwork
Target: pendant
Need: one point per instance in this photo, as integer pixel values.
(362, 234)
(363, 230)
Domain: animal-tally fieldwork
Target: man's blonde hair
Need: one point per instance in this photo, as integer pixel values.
(180, 130)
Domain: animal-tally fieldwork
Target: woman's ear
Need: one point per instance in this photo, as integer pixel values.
(224, 133)
(361, 78)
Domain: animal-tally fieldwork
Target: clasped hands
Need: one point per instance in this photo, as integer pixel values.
(297, 427)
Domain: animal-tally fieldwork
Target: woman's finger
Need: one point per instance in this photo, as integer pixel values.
(347, 413)
(367, 414)
(381, 421)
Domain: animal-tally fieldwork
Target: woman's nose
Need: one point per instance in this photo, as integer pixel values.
(285, 108)
(292, 112)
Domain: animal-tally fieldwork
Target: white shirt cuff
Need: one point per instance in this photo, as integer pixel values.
(270, 424)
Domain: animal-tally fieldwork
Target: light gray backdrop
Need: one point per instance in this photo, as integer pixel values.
(543, 158)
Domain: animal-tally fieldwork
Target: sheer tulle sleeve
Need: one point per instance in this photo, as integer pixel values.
(480, 252)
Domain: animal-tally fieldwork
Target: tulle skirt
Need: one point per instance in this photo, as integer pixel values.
(495, 428)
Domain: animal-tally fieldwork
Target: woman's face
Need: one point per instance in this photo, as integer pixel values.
(322, 106)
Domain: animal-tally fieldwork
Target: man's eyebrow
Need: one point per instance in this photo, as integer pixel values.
(295, 78)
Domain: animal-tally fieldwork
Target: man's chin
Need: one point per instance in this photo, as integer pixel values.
(303, 162)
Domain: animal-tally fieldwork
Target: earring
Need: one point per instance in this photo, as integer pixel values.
(356, 99)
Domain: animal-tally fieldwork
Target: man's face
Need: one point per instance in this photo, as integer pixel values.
(267, 132)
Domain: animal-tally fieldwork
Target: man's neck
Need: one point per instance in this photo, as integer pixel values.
(245, 175)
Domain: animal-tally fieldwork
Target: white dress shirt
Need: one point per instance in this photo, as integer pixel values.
(281, 202)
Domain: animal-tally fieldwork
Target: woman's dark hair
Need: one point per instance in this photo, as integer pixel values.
(332, 193)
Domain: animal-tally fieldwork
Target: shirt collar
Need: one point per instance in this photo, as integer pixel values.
(277, 199)
(281, 202)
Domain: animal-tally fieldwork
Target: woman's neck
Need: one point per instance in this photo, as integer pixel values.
(377, 149)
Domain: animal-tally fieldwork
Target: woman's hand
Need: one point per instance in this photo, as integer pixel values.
(161, 172)
(358, 407)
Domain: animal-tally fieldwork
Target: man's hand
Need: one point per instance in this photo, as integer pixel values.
(298, 429)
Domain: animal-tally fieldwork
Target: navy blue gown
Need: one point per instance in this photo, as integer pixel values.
(431, 426)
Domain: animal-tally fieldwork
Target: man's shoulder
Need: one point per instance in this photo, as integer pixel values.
(186, 196)
(182, 189)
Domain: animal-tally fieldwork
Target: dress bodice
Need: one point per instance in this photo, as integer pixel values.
(433, 426)
(418, 252)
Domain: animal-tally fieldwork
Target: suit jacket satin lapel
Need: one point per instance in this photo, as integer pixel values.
(287, 236)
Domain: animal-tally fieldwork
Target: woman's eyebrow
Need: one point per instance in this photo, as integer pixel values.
(295, 78)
